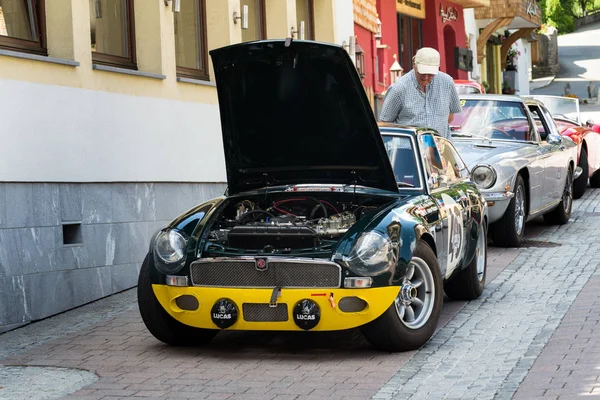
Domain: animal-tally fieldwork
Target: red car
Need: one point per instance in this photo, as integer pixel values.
(468, 87)
(565, 112)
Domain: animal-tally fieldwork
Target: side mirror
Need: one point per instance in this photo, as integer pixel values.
(589, 123)
(553, 139)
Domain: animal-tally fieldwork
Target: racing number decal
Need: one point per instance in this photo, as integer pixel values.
(463, 102)
(455, 232)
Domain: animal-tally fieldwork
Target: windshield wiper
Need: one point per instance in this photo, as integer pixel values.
(405, 184)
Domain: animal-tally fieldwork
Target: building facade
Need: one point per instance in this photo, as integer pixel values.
(501, 25)
(110, 128)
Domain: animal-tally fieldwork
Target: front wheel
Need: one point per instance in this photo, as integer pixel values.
(561, 214)
(413, 316)
(509, 230)
(580, 184)
(468, 284)
(160, 324)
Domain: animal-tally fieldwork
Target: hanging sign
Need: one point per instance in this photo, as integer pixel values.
(451, 14)
(532, 7)
(412, 8)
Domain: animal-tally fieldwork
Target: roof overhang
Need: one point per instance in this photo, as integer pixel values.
(472, 3)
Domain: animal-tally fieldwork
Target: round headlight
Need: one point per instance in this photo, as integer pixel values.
(170, 246)
(372, 254)
(484, 176)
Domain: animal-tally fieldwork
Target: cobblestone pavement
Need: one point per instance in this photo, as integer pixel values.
(487, 350)
(568, 368)
(483, 349)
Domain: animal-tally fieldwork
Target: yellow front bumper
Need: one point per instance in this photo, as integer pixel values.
(332, 318)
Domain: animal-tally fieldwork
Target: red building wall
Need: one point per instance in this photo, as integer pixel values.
(444, 36)
(365, 39)
(389, 37)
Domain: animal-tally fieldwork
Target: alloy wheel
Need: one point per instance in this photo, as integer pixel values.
(519, 210)
(415, 301)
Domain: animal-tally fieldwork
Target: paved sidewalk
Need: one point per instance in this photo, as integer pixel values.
(568, 368)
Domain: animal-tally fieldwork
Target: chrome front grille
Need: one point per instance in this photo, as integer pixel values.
(256, 312)
(242, 272)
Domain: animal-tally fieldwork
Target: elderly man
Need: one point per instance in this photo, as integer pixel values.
(424, 97)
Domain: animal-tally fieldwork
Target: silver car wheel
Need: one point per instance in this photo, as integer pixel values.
(415, 301)
(519, 209)
(480, 254)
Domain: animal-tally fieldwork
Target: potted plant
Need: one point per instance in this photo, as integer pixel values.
(511, 58)
(506, 89)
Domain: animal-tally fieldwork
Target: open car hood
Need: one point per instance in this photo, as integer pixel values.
(296, 112)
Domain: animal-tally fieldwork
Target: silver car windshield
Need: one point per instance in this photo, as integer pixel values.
(492, 119)
(401, 152)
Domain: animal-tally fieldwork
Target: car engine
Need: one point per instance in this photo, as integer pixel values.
(285, 223)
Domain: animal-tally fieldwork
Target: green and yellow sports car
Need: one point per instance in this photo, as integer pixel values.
(329, 221)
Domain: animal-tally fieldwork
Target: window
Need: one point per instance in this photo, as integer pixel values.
(190, 40)
(453, 166)
(305, 19)
(402, 157)
(256, 20)
(112, 33)
(22, 26)
(432, 159)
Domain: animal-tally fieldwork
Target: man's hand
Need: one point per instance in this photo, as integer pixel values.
(450, 118)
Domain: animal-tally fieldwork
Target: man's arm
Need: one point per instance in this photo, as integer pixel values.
(455, 106)
(450, 117)
(392, 105)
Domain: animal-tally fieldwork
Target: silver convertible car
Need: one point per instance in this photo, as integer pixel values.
(522, 164)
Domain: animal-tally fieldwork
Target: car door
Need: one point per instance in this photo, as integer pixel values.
(447, 178)
(553, 154)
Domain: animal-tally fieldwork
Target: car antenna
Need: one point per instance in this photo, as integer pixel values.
(354, 180)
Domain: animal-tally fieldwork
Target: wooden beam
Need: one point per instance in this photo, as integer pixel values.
(486, 33)
(516, 35)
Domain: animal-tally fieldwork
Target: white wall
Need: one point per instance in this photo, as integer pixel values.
(344, 20)
(523, 66)
(60, 134)
(472, 31)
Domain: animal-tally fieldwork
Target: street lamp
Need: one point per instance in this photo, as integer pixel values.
(360, 60)
(396, 70)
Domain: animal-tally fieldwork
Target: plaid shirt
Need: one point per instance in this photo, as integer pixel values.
(406, 104)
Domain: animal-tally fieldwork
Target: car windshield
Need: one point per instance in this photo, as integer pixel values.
(402, 157)
(561, 107)
(492, 119)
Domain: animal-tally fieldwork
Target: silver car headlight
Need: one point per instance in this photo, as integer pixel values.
(169, 246)
(484, 176)
(372, 254)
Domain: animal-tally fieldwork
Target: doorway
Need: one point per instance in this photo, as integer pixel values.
(449, 48)
(410, 40)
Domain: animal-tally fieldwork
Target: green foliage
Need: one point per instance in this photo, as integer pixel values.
(554, 14)
(561, 14)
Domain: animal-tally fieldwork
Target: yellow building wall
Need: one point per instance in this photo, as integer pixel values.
(68, 33)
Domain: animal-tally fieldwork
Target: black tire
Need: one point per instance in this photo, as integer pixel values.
(580, 184)
(561, 214)
(389, 332)
(595, 180)
(468, 283)
(505, 231)
(160, 324)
